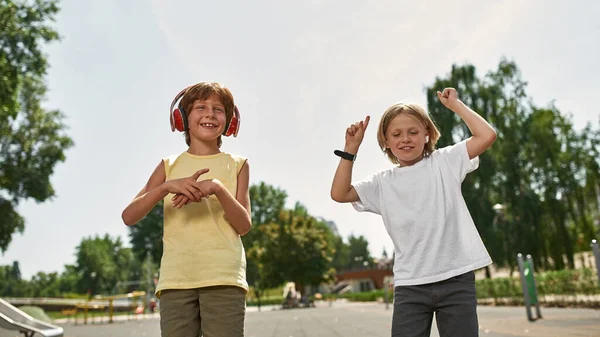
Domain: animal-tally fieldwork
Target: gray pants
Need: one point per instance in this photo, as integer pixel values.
(453, 301)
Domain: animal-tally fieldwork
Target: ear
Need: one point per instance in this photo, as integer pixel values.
(426, 138)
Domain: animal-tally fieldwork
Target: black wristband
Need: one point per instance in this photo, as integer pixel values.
(345, 155)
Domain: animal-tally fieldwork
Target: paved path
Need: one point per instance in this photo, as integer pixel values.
(363, 319)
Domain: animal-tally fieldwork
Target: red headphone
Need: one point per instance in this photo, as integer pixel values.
(179, 120)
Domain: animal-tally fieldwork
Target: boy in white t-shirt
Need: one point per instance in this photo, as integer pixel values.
(437, 246)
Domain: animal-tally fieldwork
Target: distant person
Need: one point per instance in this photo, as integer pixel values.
(202, 285)
(437, 246)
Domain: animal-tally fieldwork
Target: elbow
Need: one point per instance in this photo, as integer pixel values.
(337, 197)
(334, 196)
(245, 230)
(127, 219)
(492, 137)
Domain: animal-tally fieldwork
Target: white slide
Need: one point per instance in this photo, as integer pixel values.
(12, 318)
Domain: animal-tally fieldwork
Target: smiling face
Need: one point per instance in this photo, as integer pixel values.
(405, 138)
(207, 119)
(407, 134)
(204, 99)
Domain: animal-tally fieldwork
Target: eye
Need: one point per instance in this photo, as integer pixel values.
(414, 132)
(200, 107)
(220, 109)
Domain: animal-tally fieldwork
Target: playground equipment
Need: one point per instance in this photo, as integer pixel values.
(85, 306)
(526, 272)
(12, 318)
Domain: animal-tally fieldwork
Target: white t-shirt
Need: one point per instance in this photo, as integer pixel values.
(426, 216)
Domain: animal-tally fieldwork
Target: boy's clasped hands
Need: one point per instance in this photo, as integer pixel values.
(189, 190)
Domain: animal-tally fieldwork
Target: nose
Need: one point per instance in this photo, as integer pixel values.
(210, 112)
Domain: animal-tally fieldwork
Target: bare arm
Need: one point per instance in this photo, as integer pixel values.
(341, 188)
(237, 209)
(155, 190)
(483, 133)
(147, 198)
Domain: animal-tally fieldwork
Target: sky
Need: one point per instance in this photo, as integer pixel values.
(300, 72)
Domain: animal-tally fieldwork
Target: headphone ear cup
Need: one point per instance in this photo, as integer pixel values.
(178, 118)
(178, 121)
(234, 124)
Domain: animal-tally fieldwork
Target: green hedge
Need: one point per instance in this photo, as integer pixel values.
(36, 312)
(252, 302)
(366, 296)
(561, 282)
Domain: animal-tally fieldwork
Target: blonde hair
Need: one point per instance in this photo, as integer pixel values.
(203, 91)
(412, 110)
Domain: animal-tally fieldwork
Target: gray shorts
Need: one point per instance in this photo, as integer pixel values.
(453, 301)
(209, 312)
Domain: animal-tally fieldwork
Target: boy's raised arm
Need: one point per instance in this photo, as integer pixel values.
(483, 133)
(341, 188)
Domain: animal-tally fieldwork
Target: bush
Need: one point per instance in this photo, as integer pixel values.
(252, 302)
(36, 312)
(366, 296)
(75, 296)
(561, 282)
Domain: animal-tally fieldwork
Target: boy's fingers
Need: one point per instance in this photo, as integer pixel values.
(199, 173)
(187, 193)
(366, 123)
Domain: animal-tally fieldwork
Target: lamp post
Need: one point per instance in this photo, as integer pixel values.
(500, 213)
(93, 284)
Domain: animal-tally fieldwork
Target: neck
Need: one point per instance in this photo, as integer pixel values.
(203, 148)
(412, 162)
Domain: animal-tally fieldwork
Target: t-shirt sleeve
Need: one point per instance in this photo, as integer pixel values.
(457, 158)
(368, 191)
(240, 162)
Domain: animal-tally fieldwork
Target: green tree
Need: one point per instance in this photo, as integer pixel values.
(148, 235)
(359, 256)
(45, 285)
(266, 204)
(297, 248)
(11, 283)
(32, 139)
(341, 255)
(69, 280)
(540, 168)
(101, 263)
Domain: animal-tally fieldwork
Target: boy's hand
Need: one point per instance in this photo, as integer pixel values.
(206, 187)
(355, 134)
(189, 186)
(449, 98)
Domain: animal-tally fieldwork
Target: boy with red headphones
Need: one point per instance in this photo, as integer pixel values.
(202, 285)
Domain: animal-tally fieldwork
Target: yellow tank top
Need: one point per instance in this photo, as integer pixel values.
(200, 248)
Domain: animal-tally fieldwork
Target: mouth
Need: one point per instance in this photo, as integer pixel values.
(406, 148)
(209, 125)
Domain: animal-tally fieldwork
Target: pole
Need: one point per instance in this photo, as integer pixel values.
(524, 286)
(535, 295)
(148, 288)
(596, 251)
